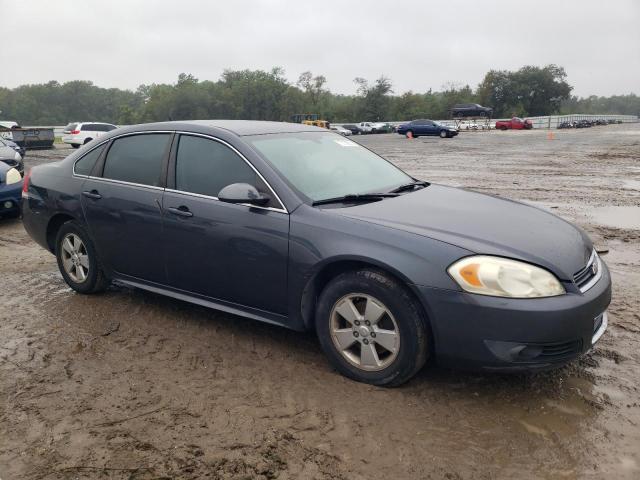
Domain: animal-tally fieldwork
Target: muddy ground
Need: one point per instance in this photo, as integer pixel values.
(131, 385)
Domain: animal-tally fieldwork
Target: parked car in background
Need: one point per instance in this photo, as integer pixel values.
(516, 123)
(583, 124)
(287, 224)
(79, 133)
(340, 130)
(563, 125)
(365, 127)
(18, 148)
(10, 191)
(354, 129)
(417, 128)
(382, 127)
(11, 156)
(462, 110)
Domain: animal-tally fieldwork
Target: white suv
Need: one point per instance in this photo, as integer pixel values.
(78, 134)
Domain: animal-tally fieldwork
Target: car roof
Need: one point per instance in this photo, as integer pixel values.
(239, 127)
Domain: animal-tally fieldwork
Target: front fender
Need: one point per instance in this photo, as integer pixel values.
(319, 239)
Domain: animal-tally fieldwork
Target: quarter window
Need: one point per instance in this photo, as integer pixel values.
(86, 163)
(205, 166)
(137, 158)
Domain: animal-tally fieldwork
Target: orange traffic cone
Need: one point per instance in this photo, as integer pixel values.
(409, 134)
(550, 136)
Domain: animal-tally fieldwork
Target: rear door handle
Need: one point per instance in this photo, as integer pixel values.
(180, 211)
(92, 194)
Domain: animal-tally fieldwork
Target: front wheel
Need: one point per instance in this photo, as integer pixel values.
(371, 329)
(443, 134)
(75, 145)
(78, 261)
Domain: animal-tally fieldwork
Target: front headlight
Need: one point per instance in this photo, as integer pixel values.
(13, 176)
(501, 277)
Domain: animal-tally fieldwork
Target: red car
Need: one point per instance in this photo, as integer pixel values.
(515, 124)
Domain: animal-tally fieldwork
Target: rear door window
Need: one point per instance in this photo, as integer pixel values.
(137, 158)
(70, 128)
(205, 166)
(88, 127)
(86, 163)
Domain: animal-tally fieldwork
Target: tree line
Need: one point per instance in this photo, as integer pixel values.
(268, 95)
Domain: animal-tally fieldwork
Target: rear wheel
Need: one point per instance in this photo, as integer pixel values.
(78, 261)
(409, 134)
(371, 329)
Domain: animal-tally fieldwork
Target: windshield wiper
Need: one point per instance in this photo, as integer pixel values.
(410, 186)
(355, 197)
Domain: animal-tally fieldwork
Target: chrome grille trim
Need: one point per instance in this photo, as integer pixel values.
(585, 278)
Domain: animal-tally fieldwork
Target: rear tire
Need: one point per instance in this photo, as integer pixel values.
(384, 349)
(78, 260)
(409, 134)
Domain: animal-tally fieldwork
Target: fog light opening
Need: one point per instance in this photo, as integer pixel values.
(526, 352)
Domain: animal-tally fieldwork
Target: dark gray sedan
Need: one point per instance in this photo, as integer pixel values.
(300, 227)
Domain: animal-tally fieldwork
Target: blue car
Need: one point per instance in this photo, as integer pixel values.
(10, 191)
(301, 227)
(418, 128)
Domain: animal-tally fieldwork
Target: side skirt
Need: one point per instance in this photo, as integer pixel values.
(235, 309)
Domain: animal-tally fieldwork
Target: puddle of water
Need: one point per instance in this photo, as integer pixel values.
(619, 217)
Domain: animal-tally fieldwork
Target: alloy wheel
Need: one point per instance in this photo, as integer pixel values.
(364, 331)
(75, 258)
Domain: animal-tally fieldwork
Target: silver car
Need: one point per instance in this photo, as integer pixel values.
(341, 130)
(11, 156)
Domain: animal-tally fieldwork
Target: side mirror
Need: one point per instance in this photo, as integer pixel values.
(242, 193)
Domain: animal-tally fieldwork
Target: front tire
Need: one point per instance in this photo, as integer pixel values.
(443, 134)
(78, 261)
(75, 145)
(371, 329)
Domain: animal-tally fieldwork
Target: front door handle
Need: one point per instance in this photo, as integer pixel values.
(181, 211)
(92, 194)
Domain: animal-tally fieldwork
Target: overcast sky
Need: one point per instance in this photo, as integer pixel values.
(418, 44)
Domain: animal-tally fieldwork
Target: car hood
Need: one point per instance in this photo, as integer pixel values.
(483, 224)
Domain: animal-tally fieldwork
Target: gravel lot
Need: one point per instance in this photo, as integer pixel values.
(131, 385)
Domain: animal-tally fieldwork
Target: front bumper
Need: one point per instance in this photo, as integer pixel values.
(10, 198)
(493, 333)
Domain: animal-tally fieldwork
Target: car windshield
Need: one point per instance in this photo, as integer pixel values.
(327, 165)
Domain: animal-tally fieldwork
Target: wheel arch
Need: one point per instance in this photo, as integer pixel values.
(333, 267)
(53, 225)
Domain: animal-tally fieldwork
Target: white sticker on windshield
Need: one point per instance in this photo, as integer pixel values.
(346, 143)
